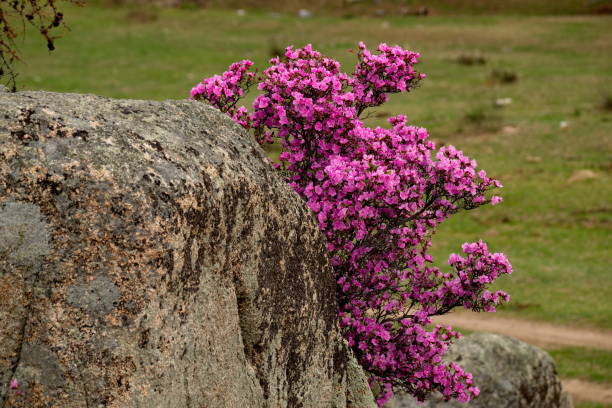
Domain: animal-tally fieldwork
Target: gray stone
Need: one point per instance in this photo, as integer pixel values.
(509, 373)
(97, 297)
(42, 365)
(24, 237)
(153, 258)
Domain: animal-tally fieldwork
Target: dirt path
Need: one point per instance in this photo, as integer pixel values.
(543, 335)
(537, 333)
(587, 391)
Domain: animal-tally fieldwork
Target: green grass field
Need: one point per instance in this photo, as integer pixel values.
(555, 221)
(590, 365)
(551, 146)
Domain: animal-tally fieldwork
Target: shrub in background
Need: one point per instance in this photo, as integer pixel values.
(378, 195)
(503, 76)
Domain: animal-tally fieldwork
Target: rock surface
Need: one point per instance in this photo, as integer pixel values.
(151, 257)
(509, 373)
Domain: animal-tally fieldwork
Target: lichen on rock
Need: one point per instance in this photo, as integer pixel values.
(154, 258)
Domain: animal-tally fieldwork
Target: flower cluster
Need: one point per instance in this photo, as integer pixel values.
(389, 71)
(378, 195)
(224, 91)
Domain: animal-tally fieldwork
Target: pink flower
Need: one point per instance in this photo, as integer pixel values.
(378, 195)
(14, 384)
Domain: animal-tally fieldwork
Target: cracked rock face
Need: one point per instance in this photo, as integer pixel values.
(509, 373)
(151, 257)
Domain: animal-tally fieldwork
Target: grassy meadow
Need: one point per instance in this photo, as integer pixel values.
(590, 365)
(551, 146)
(528, 96)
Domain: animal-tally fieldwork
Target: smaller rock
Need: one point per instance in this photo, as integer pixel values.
(509, 373)
(380, 12)
(420, 11)
(303, 13)
(581, 175)
(533, 159)
(503, 101)
(510, 130)
(423, 11)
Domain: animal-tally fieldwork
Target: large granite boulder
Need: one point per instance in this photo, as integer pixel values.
(151, 257)
(509, 373)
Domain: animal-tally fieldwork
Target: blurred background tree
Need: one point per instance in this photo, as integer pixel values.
(14, 16)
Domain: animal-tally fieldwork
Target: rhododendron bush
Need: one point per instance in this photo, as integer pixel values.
(378, 195)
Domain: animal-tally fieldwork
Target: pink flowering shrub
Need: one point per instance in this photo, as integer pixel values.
(378, 195)
(227, 89)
